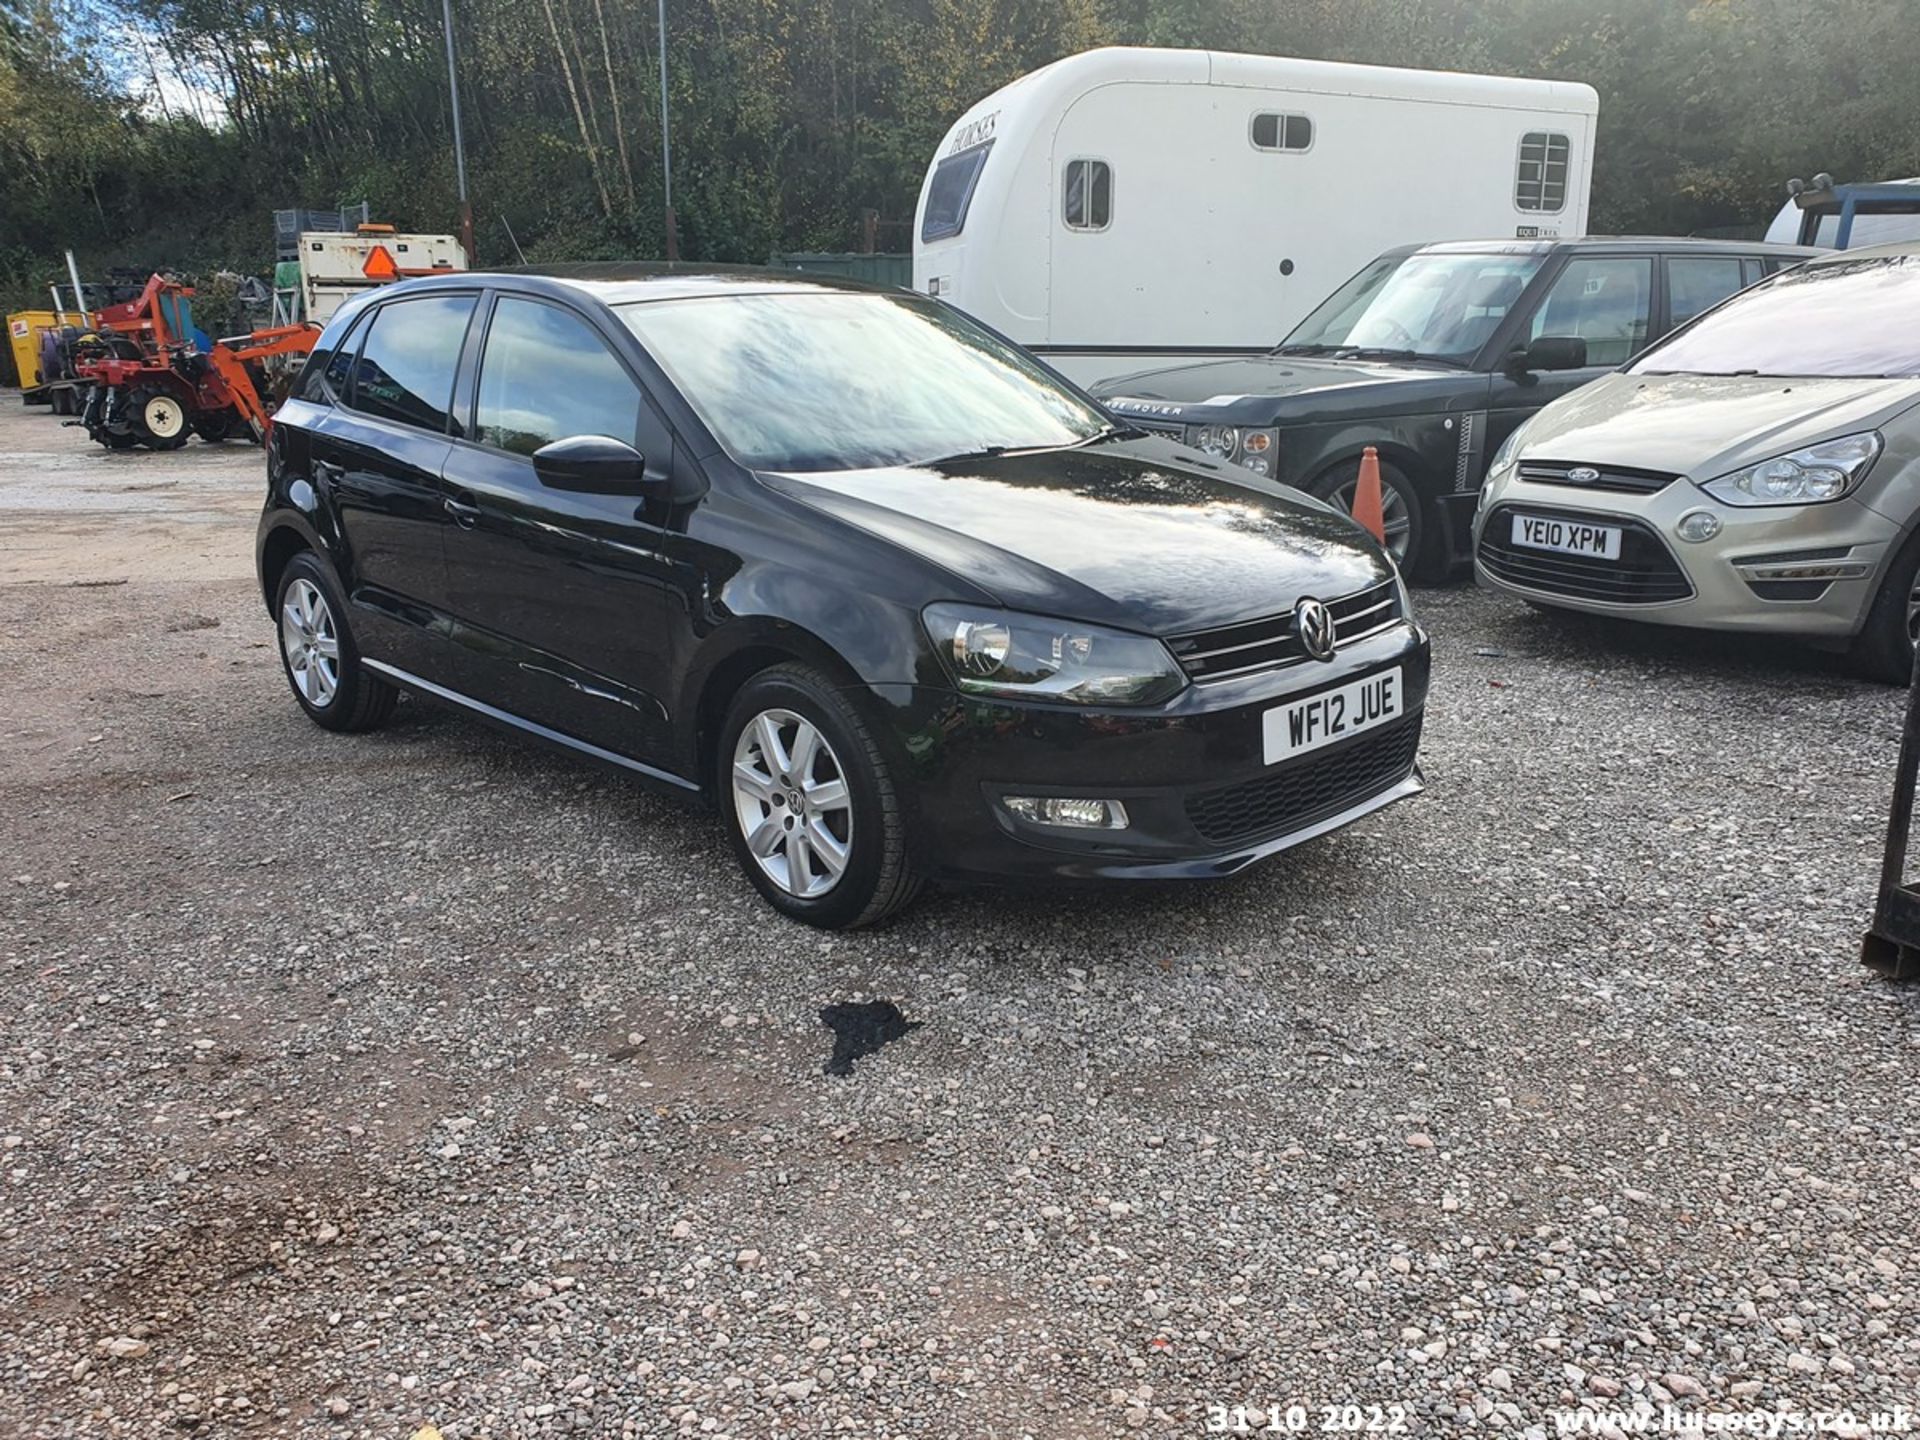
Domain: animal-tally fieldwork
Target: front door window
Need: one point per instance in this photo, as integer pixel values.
(1606, 301)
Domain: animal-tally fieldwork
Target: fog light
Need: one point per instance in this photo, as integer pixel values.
(1067, 814)
(1698, 525)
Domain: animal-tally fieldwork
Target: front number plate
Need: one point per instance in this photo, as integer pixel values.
(1569, 537)
(1303, 725)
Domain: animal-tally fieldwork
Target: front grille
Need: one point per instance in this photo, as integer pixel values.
(1617, 478)
(1645, 574)
(1172, 429)
(1272, 641)
(1310, 789)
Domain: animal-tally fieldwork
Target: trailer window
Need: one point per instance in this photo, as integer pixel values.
(1282, 132)
(951, 192)
(1086, 201)
(1541, 182)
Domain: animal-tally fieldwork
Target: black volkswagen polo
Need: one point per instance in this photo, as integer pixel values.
(889, 594)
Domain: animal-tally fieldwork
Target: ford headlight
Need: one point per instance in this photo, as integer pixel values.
(1002, 652)
(1503, 457)
(1806, 477)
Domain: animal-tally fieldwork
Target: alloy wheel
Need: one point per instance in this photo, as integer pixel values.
(311, 644)
(791, 800)
(1913, 610)
(1393, 510)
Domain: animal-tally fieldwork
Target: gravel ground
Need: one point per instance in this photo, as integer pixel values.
(349, 1085)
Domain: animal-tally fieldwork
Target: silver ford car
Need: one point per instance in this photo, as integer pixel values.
(1757, 470)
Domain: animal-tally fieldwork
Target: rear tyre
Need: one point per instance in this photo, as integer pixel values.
(1884, 649)
(810, 803)
(1405, 512)
(213, 426)
(159, 419)
(317, 652)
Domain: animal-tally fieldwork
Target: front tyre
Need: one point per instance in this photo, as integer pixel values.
(317, 652)
(810, 804)
(1884, 649)
(1400, 506)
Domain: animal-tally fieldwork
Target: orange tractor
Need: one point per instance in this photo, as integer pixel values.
(155, 379)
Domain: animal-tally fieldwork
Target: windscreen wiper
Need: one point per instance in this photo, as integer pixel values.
(1382, 352)
(1306, 349)
(1111, 434)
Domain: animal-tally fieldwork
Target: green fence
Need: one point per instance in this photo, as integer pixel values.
(874, 269)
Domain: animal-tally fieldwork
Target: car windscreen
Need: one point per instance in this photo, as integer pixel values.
(1840, 318)
(824, 380)
(951, 193)
(1426, 306)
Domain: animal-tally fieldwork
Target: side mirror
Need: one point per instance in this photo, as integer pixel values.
(593, 465)
(1549, 352)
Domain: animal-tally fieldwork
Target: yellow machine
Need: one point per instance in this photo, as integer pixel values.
(23, 334)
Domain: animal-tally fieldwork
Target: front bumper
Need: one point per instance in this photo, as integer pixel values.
(1201, 801)
(1806, 570)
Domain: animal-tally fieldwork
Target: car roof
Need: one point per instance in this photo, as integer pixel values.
(625, 283)
(1872, 252)
(1602, 244)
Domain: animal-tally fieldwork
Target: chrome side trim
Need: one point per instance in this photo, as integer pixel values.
(408, 681)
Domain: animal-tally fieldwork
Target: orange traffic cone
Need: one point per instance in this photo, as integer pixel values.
(1368, 508)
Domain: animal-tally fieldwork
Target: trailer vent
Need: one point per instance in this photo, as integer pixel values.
(1541, 183)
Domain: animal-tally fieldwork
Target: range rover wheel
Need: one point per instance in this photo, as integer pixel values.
(809, 805)
(317, 651)
(1399, 505)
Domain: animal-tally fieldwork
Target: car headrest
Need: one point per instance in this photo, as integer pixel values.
(1495, 292)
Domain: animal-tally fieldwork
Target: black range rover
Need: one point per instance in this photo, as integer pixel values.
(1435, 354)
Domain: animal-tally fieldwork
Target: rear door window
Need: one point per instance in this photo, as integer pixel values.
(1606, 301)
(951, 192)
(328, 371)
(1696, 283)
(406, 366)
(547, 375)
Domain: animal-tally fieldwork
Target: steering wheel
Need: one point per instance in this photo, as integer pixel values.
(1400, 339)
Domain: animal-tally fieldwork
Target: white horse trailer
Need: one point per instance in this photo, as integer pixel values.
(1128, 207)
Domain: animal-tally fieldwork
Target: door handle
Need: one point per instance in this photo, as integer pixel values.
(327, 473)
(463, 509)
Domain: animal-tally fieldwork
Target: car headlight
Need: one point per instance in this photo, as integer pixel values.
(1806, 477)
(1503, 457)
(1219, 441)
(1002, 652)
(1255, 450)
(1401, 594)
